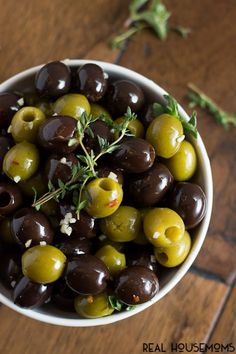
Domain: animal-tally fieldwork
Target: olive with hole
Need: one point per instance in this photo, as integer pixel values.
(72, 105)
(30, 227)
(53, 79)
(31, 295)
(10, 103)
(43, 264)
(136, 285)
(10, 198)
(148, 188)
(25, 124)
(174, 255)
(86, 275)
(114, 260)
(93, 306)
(10, 268)
(91, 81)
(166, 134)
(134, 155)
(21, 161)
(56, 133)
(122, 226)
(163, 227)
(103, 197)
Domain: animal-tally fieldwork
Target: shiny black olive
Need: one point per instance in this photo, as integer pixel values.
(10, 268)
(53, 80)
(30, 227)
(101, 129)
(189, 201)
(148, 188)
(136, 285)
(31, 295)
(91, 81)
(74, 246)
(86, 274)
(56, 132)
(10, 198)
(10, 103)
(134, 155)
(123, 94)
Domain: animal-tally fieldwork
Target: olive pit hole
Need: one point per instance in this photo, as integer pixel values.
(105, 185)
(28, 117)
(163, 257)
(5, 199)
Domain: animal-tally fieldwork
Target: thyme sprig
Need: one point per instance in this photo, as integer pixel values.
(199, 98)
(87, 162)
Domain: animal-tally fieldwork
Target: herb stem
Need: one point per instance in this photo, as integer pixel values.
(118, 41)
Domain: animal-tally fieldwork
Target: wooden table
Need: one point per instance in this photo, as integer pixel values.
(202, 307)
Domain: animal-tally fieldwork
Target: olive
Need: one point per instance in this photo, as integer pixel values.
(135, 127)
(6, 233)
(59, 168)
(10, 268)
(189, 201)
(10, 103)
(123, 94)
(56, 133)
(21, 161)
(141, 256)
(74, 246)
(72, 105)
(122, 226)
(110, 172)
(5, 144)
(165, 133)
(98, 110)
(93, 306)
(163, 227)
(30, 227)
(148, 188)
(91, 81)
(43, 264)
(99, 130)
(53, 79)
(33, 184)
(103, 197)
(25, 124)
(10, 198)
(31, 295)
(86, 274)
(134, 155)
(85, 226)
(63, 296)
(147, 115)
(114, 260)
(174, 255)
(136, 285)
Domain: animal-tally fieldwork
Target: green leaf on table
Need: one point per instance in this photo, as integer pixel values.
(182, 31)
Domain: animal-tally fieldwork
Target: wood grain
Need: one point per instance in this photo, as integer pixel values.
(187, 314)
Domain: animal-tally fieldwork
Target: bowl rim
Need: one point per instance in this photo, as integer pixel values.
(207, 176)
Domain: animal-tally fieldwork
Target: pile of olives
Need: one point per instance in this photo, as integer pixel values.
(138, 209)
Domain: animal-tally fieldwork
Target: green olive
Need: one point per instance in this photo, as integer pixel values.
(32, 185)
(97, 110)
(174, 255)
(93, 306)
(135, 127)
(25, 124)
(114, 260)
(43, 264)
(163, 227)
(72, 104)
(184, 163)
(5, 231)
(122, 226)
(165, 133)
(21, 161)
(103, 196)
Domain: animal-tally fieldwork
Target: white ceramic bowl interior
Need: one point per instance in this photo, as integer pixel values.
(23, 82)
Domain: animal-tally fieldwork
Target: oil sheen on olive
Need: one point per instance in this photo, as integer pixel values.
(91, 81)
(10, 268)
(30, 227)
(30, 295)
(56, 132)
(10, 198)
(189, 201)
(53, 80)
(86, 274)
(59, 168)
(148, 188)
(134, 155)
(101, 129)
(9, 105)
(74, 246)
(136, 285)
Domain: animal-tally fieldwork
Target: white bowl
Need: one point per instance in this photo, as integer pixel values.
(154, 92)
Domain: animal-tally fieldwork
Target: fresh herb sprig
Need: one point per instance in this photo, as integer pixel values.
(117, 305)
(147, 14)
(198, 98)
(87, 162)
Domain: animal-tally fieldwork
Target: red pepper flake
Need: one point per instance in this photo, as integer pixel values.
(112, 203)
(89, 299)
(136, 298)
(15, 162)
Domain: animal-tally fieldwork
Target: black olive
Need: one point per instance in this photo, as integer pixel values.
(74, 246)
(141, 256)
(10, 198)
(9, 105)
(101, 129)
